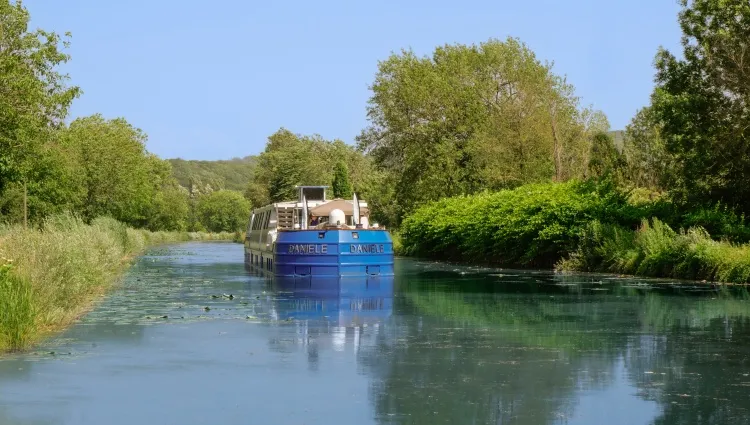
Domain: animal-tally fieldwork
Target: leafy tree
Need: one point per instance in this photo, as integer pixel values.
(170, 208)
(700, 104)
(342, 188)
(120, 178)
(34, 98)
(604, 159)
(647, 162)
(257, 194)
(290, 160)
(223, 211)
(471, 118)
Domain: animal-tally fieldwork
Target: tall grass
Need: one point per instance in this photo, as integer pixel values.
(655, 249)
(51, 275)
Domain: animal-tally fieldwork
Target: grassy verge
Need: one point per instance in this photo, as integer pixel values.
(50, 276)
(655, 249)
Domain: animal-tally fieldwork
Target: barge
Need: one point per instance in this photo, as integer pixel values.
(313, 236)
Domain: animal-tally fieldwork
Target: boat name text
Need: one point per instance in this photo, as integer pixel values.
(366, 249)
(308, 249)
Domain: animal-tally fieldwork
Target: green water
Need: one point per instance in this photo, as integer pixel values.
(194, 338)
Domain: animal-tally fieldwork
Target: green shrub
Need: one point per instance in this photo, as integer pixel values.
(533, 225)
(655, 249)
(720, 221)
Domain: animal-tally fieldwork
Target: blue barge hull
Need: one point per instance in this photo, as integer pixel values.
(324, 253)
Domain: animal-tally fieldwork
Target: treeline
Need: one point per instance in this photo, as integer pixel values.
(208, 176)
(671, 203)
(92, 167)
(465, 120)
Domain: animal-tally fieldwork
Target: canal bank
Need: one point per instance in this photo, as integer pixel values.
(585, 227)
(50, 277)
(191, 337)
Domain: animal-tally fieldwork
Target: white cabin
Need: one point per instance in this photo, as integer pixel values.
(266, 221)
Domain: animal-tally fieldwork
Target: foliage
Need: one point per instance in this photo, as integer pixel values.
(647, 163)
(290, 160)
(48, 277)
(120, 177)
(34, 98)
(533, 225)
(700, 103)
(53, 185)
(657, 250)
(471, 118)
(223, 211)
(170, 208)
(341, 186)
(257, 194)
(604, 159)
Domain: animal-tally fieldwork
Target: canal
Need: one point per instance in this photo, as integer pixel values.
(191, 337)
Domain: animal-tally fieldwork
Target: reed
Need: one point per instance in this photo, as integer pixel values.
(655, 249)
(51, 275)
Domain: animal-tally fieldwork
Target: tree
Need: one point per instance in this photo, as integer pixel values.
(257, 194)
(223, 211)
(647, 162)
(121, 179)
(342, 188)
(471, 118)
(604, 159)
(34, 98)
(170, 207)
(700, 104)
(53, 185)
(290, 160)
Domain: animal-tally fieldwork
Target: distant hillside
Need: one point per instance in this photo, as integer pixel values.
(232, 174)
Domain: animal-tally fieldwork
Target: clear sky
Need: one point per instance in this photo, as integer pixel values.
(212, 80)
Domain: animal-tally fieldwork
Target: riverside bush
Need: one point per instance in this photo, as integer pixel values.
(532, 225)
(51, 275)
(655, 249)
(606, 228)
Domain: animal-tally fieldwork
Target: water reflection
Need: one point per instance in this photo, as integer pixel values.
(330, 313)
(191, 337)
(514, 347)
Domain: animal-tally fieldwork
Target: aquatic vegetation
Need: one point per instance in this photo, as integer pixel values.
(51, 275)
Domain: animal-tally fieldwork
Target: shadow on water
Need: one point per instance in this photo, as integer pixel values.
(439, 343)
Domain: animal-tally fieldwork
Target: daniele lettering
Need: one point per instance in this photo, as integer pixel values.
(308, 249)
(366, 249)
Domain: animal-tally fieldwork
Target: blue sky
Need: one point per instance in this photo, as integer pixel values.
(212, 80)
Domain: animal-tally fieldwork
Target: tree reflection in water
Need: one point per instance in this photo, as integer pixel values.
(481, 348)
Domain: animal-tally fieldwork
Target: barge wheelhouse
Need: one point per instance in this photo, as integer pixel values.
(317, 237)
